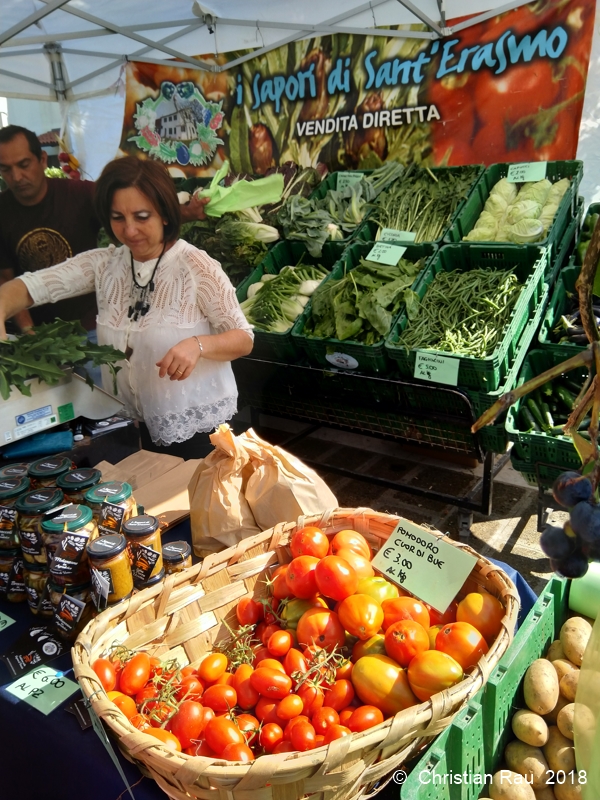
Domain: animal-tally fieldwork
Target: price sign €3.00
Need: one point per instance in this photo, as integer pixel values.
(422, 563)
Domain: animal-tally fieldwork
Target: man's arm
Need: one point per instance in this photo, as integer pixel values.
(194, 209)
(22, 318)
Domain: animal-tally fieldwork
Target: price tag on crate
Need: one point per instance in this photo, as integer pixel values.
(44, 689)
(384, 253)
(5, 621)
(528, 171)
(431, 366)
(345, 179)
(424, 565)
(392, 235)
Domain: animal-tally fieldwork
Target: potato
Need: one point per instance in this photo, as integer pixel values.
(574, 636)
(563, 667)
(507, 785)
(540, 687)
(528, 761)
(555, 651)
(530, 728)
(564, 721)
(569, 790)
(545, 793)
(568, 685)
(550, 718)
(559, 751)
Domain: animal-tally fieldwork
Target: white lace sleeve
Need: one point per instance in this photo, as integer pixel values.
(72, 278)
(216, 295)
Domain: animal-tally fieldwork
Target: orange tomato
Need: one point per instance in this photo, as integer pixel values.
(361, 615)
(336, 732)
(432, 633)
(463, 642)
(279, 643)
(364, 717)
(220, 698)
(309, 541)
(220, 732)
(482, 611)
(431, 672)
(170, 741)
(272, 663)
(291, 706)
(361, 565)
(321, 627)
(404, 640)
(352, 540)
(140, 721)
(212, 667)
(375, 646)
(404, 608)
(124, 703)
(269, 683)
(237, 752)
(379, 681)
(247, 696)
(336, 577)
(340, 695)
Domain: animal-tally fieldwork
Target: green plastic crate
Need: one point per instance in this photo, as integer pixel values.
(484, 374)
(539, 474)
(556, 170)
(594, 208)
(536, 446)
(475, 741)
(349, 354)
(564, 287)
(368, 230)
(562, 256)
(281, 346)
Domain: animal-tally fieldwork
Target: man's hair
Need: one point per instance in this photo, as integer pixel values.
(12, 131)
(151, 179)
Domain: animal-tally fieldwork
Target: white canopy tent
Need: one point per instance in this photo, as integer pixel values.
(74, 51)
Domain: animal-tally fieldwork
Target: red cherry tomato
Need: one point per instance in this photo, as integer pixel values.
(247, 696)
(294, 661)
(300, 576)
(279, 643)
(188, 722)
(135, 674)
(340, 695)
(270, 736)
(249, 726)
(249, 611)
(335, 578)
(324, 718)
(191, 688)
(303, 736)
(363, 718)
(336, 732)
(220, 697)
(309, 541)
(291, 706)
(106, 672)
(220, 732)
(270, 683)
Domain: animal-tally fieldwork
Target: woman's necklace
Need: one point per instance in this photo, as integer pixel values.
(140, 294)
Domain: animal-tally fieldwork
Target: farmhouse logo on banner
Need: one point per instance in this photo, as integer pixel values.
(507, 89)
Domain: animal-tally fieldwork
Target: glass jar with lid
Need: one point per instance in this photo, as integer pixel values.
(31, 508)
(14, 471)
(112, 503)
(70, 607)
(177, 556)
(77, 482)
(12, 585)
(112, 580)
(66, 536)
(35, 577)
(45, 471)
(10, 490)
(143, 538)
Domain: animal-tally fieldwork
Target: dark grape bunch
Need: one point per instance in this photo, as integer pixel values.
(573, 546)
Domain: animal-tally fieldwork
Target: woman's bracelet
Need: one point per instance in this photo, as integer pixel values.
(199, 344)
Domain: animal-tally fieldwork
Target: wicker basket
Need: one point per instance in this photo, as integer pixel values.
(184, 617)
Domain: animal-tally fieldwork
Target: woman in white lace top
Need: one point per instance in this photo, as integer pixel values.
(165, 303)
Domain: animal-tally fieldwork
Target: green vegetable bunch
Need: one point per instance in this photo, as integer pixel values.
(46, 352)
(464, 313)
(363, 303)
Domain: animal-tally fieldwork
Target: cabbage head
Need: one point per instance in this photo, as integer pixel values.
(486, 220)
(481, 234)
(557, 191)
(525, 231)
(523, 209)
(506, 190)
(496, 206)
(502, 234)
(537, 191)
(548, 214)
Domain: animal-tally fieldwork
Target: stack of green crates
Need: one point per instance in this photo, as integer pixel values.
(473, 745)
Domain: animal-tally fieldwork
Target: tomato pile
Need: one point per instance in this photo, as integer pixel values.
(333, 649)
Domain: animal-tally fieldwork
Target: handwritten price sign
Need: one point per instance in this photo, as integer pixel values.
(431, 366)
(44, 689)
(422, 563)
(5, 621)
(384, 253)
(529, 171)
(345, 179)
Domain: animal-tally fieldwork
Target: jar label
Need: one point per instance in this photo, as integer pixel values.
(68, 613)
(7, 523)
(31, 542)
(144, 561)
(16, 583)
(4, 573)
(102, 587)
(111, 518)
(69, 553)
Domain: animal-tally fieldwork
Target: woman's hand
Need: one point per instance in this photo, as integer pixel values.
(180, 361)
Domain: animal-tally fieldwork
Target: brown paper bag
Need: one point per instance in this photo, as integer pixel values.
(281, 488)
(219, 513)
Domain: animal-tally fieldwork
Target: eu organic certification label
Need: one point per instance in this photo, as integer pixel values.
(384, 253)
(528, 171)
(430, 366)
(392, 235)
(345, 179)
(424, 564)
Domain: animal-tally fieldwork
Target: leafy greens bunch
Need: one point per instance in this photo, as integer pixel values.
(363, 303)
(46, 352)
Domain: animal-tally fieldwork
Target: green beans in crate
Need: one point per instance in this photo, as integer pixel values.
(545, 446)
(280, 346)
(351, 353)
(486, 373)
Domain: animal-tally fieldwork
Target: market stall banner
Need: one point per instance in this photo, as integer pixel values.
(507, 89)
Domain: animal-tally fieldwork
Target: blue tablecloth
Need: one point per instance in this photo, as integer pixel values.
(51, 758)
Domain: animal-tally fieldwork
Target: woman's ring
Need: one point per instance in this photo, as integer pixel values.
(178, 372)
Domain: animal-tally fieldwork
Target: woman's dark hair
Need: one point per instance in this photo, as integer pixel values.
(151, 179)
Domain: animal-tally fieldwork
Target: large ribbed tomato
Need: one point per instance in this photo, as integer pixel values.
(431, 672)
(463, 642)
(361, 615)
(379, 681)
(321, 627)
(484, 612)
(404, 640)
(404, 608)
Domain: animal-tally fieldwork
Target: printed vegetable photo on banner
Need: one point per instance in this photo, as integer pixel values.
(509, 89)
